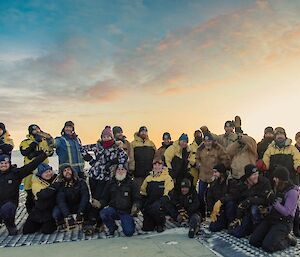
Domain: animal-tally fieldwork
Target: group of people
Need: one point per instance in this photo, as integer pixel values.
(249, 189)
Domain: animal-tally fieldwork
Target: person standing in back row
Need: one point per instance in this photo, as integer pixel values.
(68, 149)
(143, 154)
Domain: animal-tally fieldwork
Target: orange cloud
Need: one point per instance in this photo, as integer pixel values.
(103, 91)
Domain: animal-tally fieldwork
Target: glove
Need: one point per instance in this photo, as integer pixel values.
(244, 205)
(87, 157)
(216, 211)
(79, 218)
(70, 222)
(298, 170)
(260, 165)
(234, 224)
(271, 197)
(38, 138)
(237, 122)
(134, 210)
(183, 215)
(96, 204)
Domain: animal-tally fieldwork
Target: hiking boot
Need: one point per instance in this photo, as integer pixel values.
(292, 240)
(160, 229)
(88, 230)
(191, 233)
(12, 230)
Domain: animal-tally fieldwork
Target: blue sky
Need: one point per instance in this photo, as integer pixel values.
(112, 62)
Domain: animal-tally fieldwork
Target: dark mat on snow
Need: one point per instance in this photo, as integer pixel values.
(229, 246)
(220, 242)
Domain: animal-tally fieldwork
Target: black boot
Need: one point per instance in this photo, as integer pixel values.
(296, 224)
(292, 240)
(191, 233)
(159, 229)
(12, 230)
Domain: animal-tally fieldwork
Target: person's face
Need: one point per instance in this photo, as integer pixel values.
(183, 143)
(280, 137)
(298, 141)
(198, 135)
(67, 173)
(157, 167)
(121, 173)
(276, 181)
(228, 130)
(4, 166)
(208, 144)
(1, 131)
(143, 134)
(185, 190)
(216, 174)
(47, 175)
(167, 141)
(119, 135)
(68, 130)
(253, 179)
(106, 138)
(269, 135)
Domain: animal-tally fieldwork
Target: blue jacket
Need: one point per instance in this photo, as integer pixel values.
(68, 151)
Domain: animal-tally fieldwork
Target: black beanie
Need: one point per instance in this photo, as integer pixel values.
(143, 128)
(2, 126)
(166, 135)
(117, 130)
(32, 127)
(282, 173)
(229, 123)
(249, 170)
(220, 168)
(269, 130)
(186, 183)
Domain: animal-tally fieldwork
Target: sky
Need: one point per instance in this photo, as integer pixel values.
(171, 65)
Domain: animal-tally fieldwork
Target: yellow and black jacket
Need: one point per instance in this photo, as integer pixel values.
(6, 144)
(177, 161)
(143, 154)
(30, 149)
(153, 188)
(45, 199)
(287, 156)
